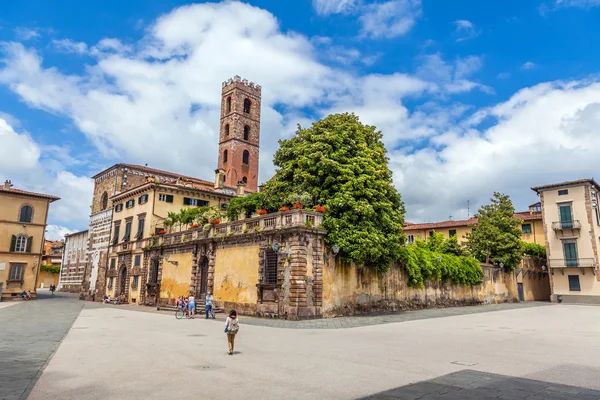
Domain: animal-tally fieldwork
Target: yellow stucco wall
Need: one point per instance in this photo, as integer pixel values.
(176, 279)
(236, 274)
(9, 225)
(45, 279)
(348, 289)
(536, 235)
(590, 286)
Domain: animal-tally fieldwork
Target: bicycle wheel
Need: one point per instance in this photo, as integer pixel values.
(179, 314)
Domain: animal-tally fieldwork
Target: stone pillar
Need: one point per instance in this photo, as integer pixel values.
(317, 284)
(211, 254)
(298, 296)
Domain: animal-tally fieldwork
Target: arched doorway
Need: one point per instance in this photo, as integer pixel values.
(122, 281)
(203, 283)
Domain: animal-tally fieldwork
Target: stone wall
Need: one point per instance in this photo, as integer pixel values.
(351, 290)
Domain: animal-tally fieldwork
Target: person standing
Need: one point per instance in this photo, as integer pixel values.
(192, 307)
(209, 305)
(232, 326)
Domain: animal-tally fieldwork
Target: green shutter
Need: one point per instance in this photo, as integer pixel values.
(186, 201)
(29, 241)
(169, 198)
(13, 243)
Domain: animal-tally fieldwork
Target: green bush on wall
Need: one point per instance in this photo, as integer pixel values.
(53, 269)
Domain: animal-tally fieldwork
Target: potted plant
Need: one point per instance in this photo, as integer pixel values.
(215, 221)
(284, 208)
(195, 225)
(297, 206)
(320, 209)
(262, 211)
(162, 232)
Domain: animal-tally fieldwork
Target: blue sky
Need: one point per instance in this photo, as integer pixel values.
(471, 96)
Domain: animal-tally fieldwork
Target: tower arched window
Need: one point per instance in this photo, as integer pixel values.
(225, 156)
(227, 130)
(105, 201)
(26, 214)
(247, 105)
(246, 157)
(246, 132)
(229, 104)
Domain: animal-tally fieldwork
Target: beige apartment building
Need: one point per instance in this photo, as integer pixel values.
(532, 227)
(23, 217)
(572, 225)
(138, 215)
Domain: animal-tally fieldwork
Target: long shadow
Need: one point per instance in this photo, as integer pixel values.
(31, 333)
(475, 385)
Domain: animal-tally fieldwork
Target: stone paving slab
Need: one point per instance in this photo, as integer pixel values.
(349, 322)
(29, 335)
(476, 385)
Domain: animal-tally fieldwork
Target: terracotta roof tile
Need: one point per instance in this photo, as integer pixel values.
(156, 171)
(567, 183)
(26, 193)
(524, 215)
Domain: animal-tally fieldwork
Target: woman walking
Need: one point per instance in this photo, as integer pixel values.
(232, 326)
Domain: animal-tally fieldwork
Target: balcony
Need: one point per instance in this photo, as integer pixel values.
(264, 223)
(582, 263)
(566, 225)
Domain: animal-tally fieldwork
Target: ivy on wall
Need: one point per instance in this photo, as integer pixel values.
(53, 269)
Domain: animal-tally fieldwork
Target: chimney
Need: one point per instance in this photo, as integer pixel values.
(7, 184)
(241, 189)
(219, 178)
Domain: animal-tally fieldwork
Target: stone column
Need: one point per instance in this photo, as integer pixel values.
(298, 295)
(211, 254)
(317, 284)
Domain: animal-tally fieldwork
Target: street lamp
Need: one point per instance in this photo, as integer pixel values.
(275, 246)
(336, 249)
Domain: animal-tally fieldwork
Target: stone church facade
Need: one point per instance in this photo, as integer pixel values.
(237, 173)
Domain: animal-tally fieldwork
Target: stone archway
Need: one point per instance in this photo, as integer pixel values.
(202, 280)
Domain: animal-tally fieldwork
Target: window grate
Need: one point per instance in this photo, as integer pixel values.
(270, 273)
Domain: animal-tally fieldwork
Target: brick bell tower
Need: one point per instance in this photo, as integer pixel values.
(239, 139)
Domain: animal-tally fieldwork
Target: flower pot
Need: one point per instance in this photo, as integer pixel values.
(320, 209)
(297, 206)
(262, 211)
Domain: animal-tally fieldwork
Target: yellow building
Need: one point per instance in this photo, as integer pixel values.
(23, 217)
(532, 227)
(140, 213)
(572, 222)
(52, 257)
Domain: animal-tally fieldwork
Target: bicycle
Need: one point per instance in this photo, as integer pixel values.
(181, 312)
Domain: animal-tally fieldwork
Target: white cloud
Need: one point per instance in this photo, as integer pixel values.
(21, 161)
(544, 134)
(528, 65)
(577, 3)
(57, 232)
(389, 19)
(70, 46)
(135, 102)
(26, 33)
(327, 7)
(465, 30)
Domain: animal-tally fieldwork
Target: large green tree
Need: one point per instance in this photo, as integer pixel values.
(342, 164)
(496, 238)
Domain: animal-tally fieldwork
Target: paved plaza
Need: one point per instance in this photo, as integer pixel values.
(522, 351)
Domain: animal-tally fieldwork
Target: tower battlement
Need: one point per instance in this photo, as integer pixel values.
(238, 81)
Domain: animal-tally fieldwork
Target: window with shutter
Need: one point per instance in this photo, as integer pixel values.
(26, 214)
(119, 208)
(13, 243)
(29, 242)
(16, 272)
(130, 204)
(137, 261)
(115, 238)
(20, 244)
(574, 285)
(187, 201)
(143, 199)
(169, 198)
(127, 235)
(140, 231)
(134, 283)
(113, 263)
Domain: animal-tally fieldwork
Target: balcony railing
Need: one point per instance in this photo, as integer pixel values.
(573, 263)
(268, 222)
(563, 225)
